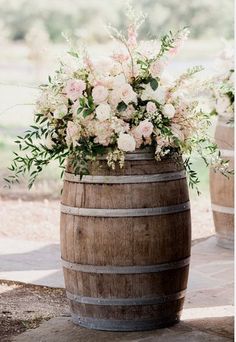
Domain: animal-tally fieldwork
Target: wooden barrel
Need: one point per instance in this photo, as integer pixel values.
(222, 188)
(125, 244)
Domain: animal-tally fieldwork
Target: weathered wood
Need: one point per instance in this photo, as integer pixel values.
(222, 188)
(126, 273)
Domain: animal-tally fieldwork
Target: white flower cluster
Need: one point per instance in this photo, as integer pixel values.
(223, 91)
(124, 102)
(117, 104)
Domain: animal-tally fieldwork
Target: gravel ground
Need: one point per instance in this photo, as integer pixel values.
(24, 307)
(39, 220)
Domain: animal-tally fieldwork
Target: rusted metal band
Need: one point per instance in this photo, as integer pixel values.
(227, 153)
(125, 212)
(140, 156)
(144, 154)
(222, 209)
(125, 325)
(126, 301)
(126, 269)
(132, 179)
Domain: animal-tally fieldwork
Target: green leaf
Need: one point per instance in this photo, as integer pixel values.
(82, 101)
(154, 84)
(99, 149)
(79, 110)
(122, 106)
(87, 112)
(73, 54)
(90, 101)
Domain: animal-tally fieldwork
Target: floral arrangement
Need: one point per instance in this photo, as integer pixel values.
(223, 89)
(116, 105)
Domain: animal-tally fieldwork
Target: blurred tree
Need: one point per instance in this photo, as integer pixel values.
(37, 40)
(206, 18)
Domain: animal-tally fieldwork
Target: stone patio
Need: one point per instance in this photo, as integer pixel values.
(208, 312)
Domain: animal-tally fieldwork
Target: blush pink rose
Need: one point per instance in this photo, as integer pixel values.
(74, 89)
(127, 94)
(146, 128)
(99, 94)
(72, 133)
(103, 133)
(151, 107)
(135, 131)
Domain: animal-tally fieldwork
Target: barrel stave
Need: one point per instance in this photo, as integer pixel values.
(128, 285)
(146, 195)
(222, 188)
(129, 312)
(152, 251)
(150, 238)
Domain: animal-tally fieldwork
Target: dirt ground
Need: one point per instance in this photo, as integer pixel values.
(24, 307)
(40, 219)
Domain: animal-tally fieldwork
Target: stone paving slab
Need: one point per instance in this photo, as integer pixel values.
(61, 329)
(208, 311)
(31, 262)
(39, 263)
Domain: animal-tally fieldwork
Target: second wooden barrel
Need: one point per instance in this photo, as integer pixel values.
(125, 244)
(222, 188)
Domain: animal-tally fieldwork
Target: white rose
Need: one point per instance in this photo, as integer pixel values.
(168, 110)
(60, 111)
(149, 94)
(103, 112)
(160, 95)
(126, 142)
(119, 80)
(99, 94)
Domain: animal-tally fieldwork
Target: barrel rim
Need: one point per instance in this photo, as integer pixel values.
(126, 325)
(125, 212)
(222, 209)
(161, 299)
(129, 269)
(127, 179)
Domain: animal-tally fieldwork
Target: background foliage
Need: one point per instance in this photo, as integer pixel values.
(207, 18)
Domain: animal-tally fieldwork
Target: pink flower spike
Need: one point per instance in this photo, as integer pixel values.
(120, 57)
(132, 37)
